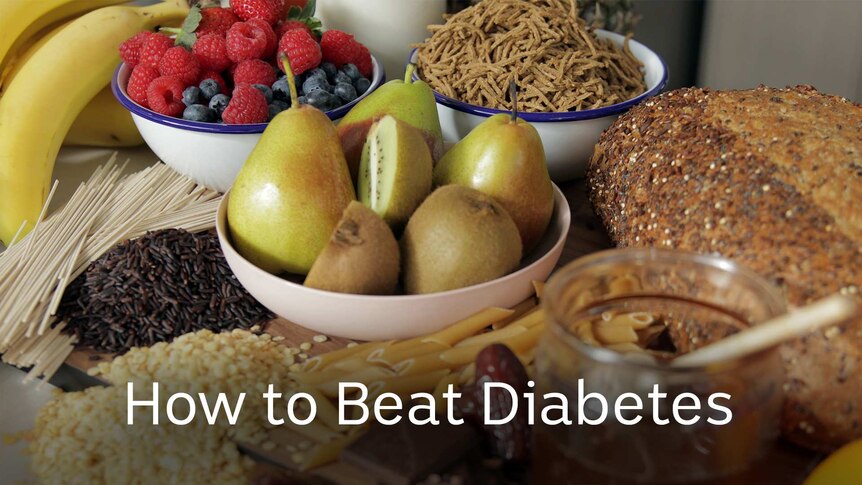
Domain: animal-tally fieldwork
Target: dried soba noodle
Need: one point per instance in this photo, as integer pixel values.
(555, 59)
(106, 209)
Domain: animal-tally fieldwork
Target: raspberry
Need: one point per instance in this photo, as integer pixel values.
(286, 25)
(165, 96)
(245, 41)
(269, 34)
(217, 78)
(139, 81)
(302, 50)
(254, 71)
(153, 48)
(270, 11)
(130, 50)
(181, 64)
(211, 51)
(215, 21)
(363, 62)
(341, 48)
(247, 105)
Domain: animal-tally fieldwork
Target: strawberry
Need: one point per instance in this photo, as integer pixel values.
(181, 64)
(302, 50)
(247, 105)
(130, 50)
(286, 25)
(165, 96)
(215, 21)
(245, 41)
(270, 11)
(139, 81)
(341, 48)
(363, 62)
(211, 51)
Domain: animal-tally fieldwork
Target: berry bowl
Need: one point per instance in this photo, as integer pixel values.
(364, 317)
(568, 137)
(210, 153)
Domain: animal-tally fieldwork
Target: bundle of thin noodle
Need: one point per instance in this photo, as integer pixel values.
(556, 60)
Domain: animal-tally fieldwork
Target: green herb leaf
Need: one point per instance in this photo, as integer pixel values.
(186, 36)
(193, 19)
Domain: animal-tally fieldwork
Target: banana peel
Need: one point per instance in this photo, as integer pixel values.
(34, 123)
(104, 123)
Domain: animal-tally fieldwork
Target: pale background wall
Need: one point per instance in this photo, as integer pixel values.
(783, 42)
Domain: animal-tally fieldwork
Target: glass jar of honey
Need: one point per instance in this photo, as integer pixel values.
(616, 321)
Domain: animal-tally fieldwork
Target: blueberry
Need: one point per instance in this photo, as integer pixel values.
(198, 112)
(191, 95)
(345, 91)
(281, 90)
(209, 88)
(330, 70)
(352, 71)
(316, 72)
(277, 107)
(218, 103)
(323, 100)
(362, 85)
(342, 78)
(315, 83)
(267, 92)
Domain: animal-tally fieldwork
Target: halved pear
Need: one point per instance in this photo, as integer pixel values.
(395, 170)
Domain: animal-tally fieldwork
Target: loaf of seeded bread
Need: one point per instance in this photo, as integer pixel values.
(773, 179)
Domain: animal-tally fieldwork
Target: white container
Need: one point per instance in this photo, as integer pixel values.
(386, 27)
(569, 137)
(364, 317)
(210, 153)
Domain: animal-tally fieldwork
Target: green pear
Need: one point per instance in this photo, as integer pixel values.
(409, 101)
(503, 157)
(291, 191)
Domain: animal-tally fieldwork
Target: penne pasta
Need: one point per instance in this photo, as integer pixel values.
(322, 361)
(468, 327)
(406, 385)
(519, 310)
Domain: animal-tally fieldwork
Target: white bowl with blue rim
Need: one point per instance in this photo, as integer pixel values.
(568, 137)
(209, 153)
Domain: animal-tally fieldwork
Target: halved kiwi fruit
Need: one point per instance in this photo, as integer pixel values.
(395, 170)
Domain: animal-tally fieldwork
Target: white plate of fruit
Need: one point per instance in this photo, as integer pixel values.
(367, 231)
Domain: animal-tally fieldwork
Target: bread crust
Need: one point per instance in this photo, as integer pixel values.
(773, 179)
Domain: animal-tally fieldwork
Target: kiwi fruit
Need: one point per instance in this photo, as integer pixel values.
(395, 170)
(458, 237)
(361, 257)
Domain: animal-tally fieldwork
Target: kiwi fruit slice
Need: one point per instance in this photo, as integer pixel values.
(361, 257)
(395, 170)
(458, 237)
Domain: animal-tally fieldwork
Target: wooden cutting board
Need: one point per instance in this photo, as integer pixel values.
(787, 464)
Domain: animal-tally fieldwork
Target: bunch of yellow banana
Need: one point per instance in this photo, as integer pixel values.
(54, 66)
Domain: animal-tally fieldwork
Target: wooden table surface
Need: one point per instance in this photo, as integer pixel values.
(786, 465)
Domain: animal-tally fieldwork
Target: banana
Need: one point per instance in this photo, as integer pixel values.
(36, 114)
(105, 123)
(22, 20)
(26, 51)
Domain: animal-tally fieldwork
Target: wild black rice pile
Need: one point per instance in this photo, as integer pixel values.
(155, 288)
